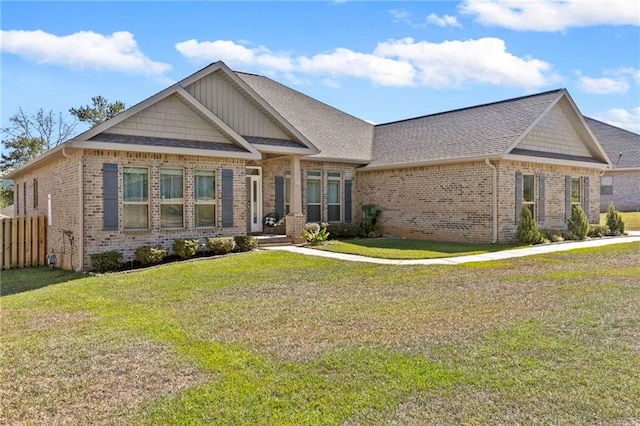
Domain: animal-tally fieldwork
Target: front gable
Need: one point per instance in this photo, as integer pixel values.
(559, 134)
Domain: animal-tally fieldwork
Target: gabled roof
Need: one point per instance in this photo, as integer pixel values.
(484, 131)
(622, 146)
(338, 135)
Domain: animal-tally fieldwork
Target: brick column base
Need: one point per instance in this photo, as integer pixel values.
(294, 225)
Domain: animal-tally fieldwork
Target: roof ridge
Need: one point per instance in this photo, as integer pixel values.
(611, 125)
(472, 107)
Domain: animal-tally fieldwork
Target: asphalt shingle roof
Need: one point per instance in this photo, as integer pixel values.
(482, 130)
(335, 133)
(615, 141)
(160, 142)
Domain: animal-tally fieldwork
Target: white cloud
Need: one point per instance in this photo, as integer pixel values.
(400, 16)
(616, 81)
(393, 63)
(234, 54)
(620, 117)
(552, 15)
(453, 63)
(445, 21)
(84, 50)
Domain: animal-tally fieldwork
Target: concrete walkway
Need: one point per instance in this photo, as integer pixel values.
(505, 254)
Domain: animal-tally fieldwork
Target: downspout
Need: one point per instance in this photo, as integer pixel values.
(495, 201)
(81, 211)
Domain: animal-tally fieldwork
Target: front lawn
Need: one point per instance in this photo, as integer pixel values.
(19, 280)
(631, 220)
(273, 337)
(399, 248)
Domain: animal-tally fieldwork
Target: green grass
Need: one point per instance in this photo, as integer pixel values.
(18, 280)
(277, 338)
(399, 248)
(631, 220)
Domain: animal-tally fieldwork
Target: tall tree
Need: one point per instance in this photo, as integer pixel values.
(29, 135)
(99, 111)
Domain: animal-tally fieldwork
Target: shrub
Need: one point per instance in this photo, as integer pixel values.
(615, 224)
(368, 227)
(343, 230)
(149, 255)
(528, 231)
(185, 248)
(552, 235)
(245, 243)
(221, 245)
(106, 262)
(597, 231)
(314, 233)
(578, 224)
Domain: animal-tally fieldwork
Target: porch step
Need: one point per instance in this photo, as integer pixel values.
(272, 240)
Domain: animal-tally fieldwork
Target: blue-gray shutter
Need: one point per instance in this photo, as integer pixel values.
(280, 196)
(585, 198)
(541, 197)
(347, 200)
(518, 195)
(110, 196)
(567, 197)
(227, 198)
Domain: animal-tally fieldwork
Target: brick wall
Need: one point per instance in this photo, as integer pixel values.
(126, 241)
(60, 178)
(626, 191)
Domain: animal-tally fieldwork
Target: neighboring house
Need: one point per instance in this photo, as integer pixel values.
(620, 185)
(215, 152)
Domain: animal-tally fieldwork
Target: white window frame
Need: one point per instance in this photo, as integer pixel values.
(315, 176)
(197, 202)
(576, 181)
(134, 203)
(531, 204)
(171, 202)
(334, 178)
(287, 192)
(609, 185)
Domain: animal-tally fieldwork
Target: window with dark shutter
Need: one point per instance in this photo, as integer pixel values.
(110, 196)
(347, 200)
(227, 198)
(280, 209)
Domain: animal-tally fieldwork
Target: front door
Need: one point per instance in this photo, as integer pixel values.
(254, 199)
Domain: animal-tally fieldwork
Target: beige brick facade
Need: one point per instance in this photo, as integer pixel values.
(454, 202)
(626, 191)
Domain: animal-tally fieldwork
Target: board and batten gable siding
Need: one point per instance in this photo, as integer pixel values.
(99, 240)
(555, 133)
(169, 118)
(225, 99)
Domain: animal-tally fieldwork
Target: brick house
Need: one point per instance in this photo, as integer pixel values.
(215, 152)
(619, 185)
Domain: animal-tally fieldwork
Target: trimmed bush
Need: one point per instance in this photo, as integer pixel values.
(344, 230)
(149, 255)
(597, 231)
(314, 233)
(552, 235)
(615, 224)
(108, 261)
(528, 231)
(185, 247)
(369, 225)
(245, 243)
(578, 224)
(221, 245)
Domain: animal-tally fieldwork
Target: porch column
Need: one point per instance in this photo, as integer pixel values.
(295, 219)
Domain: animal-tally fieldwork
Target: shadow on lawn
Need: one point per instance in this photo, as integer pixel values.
(434, 246)
(14, 281)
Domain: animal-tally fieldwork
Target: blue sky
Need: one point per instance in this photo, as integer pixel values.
(380, 61)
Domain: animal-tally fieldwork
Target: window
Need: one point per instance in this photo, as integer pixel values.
(135, 198)
(35, 193)
(313, 197)
(575, 191)
(204, 183)
(528, 193)
(606, 185)
(334, 207)
(287, 192)
(171, 198)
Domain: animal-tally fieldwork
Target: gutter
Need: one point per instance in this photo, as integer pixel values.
(81, 207)
(494, 204)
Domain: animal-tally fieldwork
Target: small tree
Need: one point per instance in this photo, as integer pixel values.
(578, 224)
(615, 224)
(100, 111)
(528, 231)
(370, 220)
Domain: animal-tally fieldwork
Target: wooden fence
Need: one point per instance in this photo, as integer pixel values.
(24, 242)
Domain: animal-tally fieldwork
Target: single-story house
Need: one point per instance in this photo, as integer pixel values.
(214, 153)
(619, 185)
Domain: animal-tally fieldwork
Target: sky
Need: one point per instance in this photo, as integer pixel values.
(379, 61)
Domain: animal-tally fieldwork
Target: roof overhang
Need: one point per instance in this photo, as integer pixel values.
(556, 161)
(429, 163)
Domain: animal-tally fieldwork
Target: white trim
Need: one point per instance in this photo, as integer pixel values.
(555, 161)
(165, 150)
(274, 149)
(257, 227)
(430, 163)
(625, 169)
